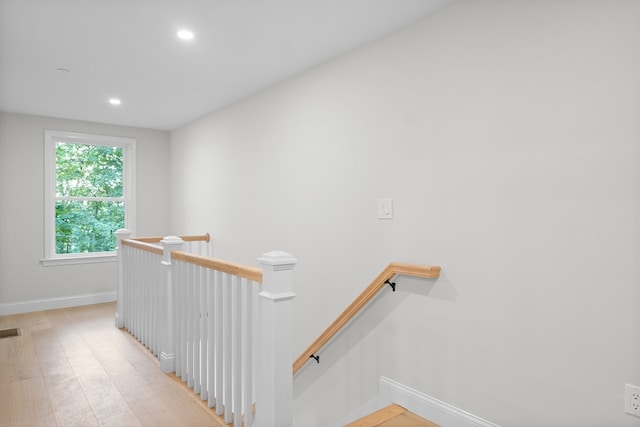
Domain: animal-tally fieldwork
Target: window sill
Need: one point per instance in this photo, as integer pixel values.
(79, 259)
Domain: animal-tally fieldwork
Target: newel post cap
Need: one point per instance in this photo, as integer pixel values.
(122, 232)
(172, 240)
(280, 260)
(277, 275)
(169, 244)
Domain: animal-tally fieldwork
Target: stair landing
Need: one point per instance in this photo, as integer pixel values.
(392, 416)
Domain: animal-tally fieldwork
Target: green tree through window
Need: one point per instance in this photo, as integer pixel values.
(89, 190)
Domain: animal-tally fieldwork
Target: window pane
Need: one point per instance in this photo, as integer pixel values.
(88, 170)
(87, 226)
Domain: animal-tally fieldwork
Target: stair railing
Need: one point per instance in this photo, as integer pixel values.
(208, 320)
(233, 323)
(383, 279)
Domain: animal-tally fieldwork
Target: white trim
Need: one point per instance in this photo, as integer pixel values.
(167, 362)
(277, 296)
(55, 303)
(434, 410)
(91, 199)
(84, 258)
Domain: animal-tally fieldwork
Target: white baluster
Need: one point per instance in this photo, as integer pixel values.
(119, 316)
(237, 350)
(154, 287)
(144, 300)
(126, 292)
(247, 344)
(139, 307)
(204, 334)
(190, 325)
(155, 310)
(135, 308)
(226, 349)
(135, 287)
(211, 348)
(178, 284)
(219, 341)
(184, 342)
(197, 329)
(135, 277)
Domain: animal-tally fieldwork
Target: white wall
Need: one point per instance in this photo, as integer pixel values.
(22, 278)
(507, 134)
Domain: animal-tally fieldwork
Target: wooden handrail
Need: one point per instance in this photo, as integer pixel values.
(197, 238)
(148, 243)
(251, 273)
(145, 246)
(362, 300)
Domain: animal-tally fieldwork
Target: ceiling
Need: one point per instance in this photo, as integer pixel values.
(128, 49)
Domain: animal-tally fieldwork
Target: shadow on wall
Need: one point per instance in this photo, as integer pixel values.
(440, 289)
(367, 321)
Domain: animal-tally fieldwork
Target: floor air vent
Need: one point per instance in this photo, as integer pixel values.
(6, 333)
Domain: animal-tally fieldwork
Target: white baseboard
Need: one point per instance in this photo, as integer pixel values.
(427, 407)
(54, 303)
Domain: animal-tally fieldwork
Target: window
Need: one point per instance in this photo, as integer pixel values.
(88, 195)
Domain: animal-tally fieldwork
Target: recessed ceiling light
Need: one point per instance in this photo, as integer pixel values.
(63, 70)
(114, 101)
(185, 35)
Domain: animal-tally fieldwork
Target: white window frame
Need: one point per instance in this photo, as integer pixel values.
(51, 137)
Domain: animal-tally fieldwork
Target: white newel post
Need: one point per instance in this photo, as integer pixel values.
(274, 378)
(120, 234)
(167, 349)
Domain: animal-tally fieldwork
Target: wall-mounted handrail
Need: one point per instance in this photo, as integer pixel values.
(367, 295)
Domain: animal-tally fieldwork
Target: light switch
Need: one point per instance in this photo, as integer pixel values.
(385, 208)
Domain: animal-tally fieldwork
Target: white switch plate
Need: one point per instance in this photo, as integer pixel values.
(385, 208)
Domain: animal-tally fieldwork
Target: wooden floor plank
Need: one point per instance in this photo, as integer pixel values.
(18, 353)
(6, 403)
(378, 417)
(30, 403)
(392, 416)
(408, 419)
(70, 405)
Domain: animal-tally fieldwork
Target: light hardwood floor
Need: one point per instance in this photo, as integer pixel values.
(392, 416)
(73, 367)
